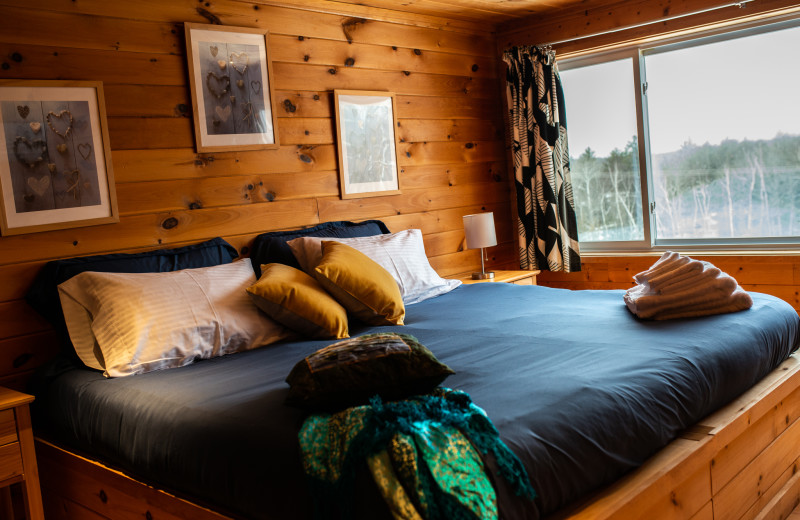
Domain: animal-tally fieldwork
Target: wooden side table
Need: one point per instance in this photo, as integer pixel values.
(515, 277)
(17, 455)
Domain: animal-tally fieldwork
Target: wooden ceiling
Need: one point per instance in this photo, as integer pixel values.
(492, 12)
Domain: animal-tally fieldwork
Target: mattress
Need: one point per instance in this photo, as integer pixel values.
(581, 390)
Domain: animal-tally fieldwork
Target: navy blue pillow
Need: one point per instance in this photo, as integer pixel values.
(272, 248)
(43, 294)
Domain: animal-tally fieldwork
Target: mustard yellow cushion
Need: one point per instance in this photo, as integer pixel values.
(294, 299)
(360, 284)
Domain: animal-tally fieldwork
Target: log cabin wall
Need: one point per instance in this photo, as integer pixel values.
(587, 29)
(444, 72)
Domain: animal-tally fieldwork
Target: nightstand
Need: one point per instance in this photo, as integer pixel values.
(515, 277)
(17, 456)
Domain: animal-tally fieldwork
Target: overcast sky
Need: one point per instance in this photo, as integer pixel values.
(734, 89)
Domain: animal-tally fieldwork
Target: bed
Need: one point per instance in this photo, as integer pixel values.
(612, 416)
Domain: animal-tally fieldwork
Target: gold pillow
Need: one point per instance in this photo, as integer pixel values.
(294, 299)
(360, 284)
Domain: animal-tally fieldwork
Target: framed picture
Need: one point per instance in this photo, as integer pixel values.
(231, 81)
(55, 159)
(365, 123)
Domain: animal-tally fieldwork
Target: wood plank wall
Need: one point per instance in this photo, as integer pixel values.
(777, 274)
(445, 74)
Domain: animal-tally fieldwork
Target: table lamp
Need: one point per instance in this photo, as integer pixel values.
(479, 230)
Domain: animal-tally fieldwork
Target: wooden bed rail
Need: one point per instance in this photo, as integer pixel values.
(740, 463)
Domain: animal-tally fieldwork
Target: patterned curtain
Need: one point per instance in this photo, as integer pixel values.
(548, 232)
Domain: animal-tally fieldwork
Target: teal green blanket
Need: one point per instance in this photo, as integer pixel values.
(425, 454)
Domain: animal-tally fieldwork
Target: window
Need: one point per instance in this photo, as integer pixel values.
(703, 133)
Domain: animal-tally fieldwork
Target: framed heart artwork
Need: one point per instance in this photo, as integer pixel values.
(231, 82)
(55, 159)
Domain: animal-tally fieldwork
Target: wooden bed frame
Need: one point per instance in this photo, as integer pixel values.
(739, 463)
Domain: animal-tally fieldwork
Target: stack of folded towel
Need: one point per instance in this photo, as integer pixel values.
(679, 287)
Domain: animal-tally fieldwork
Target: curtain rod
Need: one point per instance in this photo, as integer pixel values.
(740, 4)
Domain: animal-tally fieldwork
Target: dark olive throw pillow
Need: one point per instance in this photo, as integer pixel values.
(351, 372)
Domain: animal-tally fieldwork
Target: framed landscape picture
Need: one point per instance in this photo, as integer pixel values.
(365, 123)
(55, 159)
(231, 82)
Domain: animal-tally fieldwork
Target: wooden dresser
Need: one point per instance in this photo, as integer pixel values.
(17, 456)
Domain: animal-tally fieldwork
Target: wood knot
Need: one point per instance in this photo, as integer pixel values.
(475, 67)
(469, 146)
(332, 71)
(5, 66)
(289, 106)
(208, 15)
(103, 496)
(306, 57)
(349, 26)
(16, 57)
(407, 73)
(169, 223)
(182, 108)
(74, 242)
(305, 158)
(21, 360)
(195, 205)
(316, 97)
(349, 62)
(270, 196)
(417, 52)
(301, 38)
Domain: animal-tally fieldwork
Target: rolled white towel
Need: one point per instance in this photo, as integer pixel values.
(677, 286)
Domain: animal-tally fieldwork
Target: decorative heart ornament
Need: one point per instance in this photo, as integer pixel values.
(85, 149)
(218, 86)
(224, 113)
(36, 127)
(23, 110)
(29, 152)
(214, 50)
(240, 61)
(256, 86)
(240, 83)
(62, 148)
(64, 123)
(222, 64)
(40, 185)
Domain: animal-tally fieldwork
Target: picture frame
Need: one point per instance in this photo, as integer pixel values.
(367, 142)
(55, 157)
(230, 75)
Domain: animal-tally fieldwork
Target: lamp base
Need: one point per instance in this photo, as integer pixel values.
(483, 276)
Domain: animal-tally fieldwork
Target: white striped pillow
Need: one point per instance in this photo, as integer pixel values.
(132, 323)
(401, 253)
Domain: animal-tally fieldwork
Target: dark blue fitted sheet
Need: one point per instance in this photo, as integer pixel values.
(579, 389)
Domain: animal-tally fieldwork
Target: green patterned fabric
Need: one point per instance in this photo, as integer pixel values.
(425, 454)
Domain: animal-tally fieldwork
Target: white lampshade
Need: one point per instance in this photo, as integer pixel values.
(479, 229)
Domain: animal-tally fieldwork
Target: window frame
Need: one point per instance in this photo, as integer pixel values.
(637, 53)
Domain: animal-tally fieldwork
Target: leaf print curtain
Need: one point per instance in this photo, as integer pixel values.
(547, 228)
